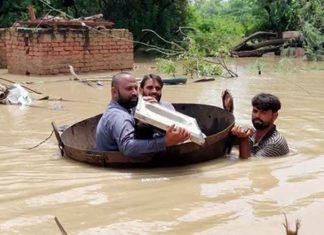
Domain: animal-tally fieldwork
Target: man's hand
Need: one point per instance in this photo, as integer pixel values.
(242, 132)
(150, 99)
(228, 101)
(141, 124)
(175, 135)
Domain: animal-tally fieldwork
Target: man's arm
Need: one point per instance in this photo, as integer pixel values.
(244, 146)
(123, 133)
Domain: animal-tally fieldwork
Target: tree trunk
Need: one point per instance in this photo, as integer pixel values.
(267, 42)
(255, 53)
(260, 34)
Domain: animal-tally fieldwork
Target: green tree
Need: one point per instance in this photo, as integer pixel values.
(164, 17)
(245, 12)
(259, 15)
(12, 11)
(302, 15)
(216, 33)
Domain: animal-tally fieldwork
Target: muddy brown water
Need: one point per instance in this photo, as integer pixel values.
(224, 196)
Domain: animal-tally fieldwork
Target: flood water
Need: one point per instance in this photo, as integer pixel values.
(223, 196)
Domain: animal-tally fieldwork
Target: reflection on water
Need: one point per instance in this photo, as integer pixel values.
(224, 196)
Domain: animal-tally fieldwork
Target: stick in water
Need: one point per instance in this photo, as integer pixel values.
(286, 225)
(60, 226)
(27, 88)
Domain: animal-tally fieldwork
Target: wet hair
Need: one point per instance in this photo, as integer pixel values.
(153, 77)
(117, 76)
(265, 101)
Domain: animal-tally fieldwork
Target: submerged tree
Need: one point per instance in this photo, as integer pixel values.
(194, 61)
(301, 15)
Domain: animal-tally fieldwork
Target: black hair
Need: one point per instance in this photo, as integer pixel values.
(153, 77)
(265, 101)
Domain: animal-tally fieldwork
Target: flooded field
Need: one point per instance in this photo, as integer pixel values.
(224, 196)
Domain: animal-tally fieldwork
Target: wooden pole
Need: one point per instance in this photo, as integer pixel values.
(60, 226)
(27, 88)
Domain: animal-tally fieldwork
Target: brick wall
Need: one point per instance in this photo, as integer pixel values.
(3, 51)
(49, 51)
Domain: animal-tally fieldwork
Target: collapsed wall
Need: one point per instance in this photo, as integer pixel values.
(44, 51)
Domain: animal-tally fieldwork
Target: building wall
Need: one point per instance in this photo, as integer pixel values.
(3, 51)
(50, 51)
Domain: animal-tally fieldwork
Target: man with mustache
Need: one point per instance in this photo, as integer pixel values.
(116, 128)
(265, 140)
(151, 85)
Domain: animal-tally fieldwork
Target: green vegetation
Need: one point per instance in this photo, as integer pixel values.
(11, 11)
(164, 17)
(212, 26)
(166, 66)
(223, 23)
(191, 65)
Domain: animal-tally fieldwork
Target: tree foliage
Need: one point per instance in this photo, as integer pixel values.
(302, 15)
(164, 17)
(243, 17)
(216, 25)
(12, 11)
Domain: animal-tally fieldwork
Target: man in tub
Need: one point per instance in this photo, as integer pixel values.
(116, 128)
(151, 86)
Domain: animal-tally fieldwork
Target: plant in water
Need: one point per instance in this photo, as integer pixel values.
(196, 67)
(286, 65)
(205, 69)
(259, 66)
(167, 66)
(188, 53)
(314, 43)
(195, 64)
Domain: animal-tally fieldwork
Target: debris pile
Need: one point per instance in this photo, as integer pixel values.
(49, 21)
(15, 94)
